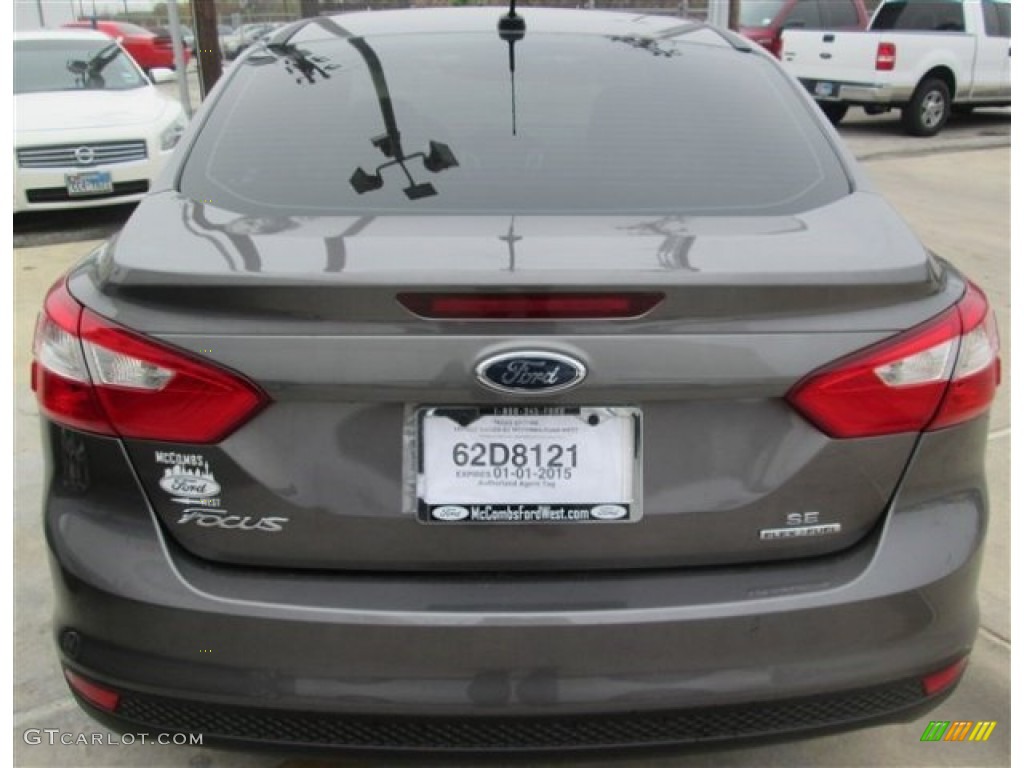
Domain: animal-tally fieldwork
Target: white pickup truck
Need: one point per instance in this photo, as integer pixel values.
(924, 57)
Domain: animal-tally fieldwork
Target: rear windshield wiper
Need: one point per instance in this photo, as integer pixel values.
(95, 63)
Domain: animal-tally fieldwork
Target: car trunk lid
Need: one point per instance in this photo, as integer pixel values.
(327, 475)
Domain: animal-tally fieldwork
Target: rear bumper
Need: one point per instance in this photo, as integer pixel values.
(520, 661)
(762, 721)
(858, 93)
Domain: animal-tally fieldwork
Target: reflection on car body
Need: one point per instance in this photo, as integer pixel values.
(90, 128)
(150, 50)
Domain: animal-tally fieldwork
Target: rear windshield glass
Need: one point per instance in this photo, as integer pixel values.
(73, 65)
(439, 124)
(1003, 11)
(759, 13)
(921, 15)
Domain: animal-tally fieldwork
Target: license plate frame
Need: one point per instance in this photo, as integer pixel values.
(604, 445)
(825, 89)
(89, 183)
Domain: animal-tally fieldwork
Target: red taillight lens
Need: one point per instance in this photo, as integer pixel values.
(977, 373)
(885, 57)
(95, 694)
(93, 375)
(529, 306)
(60, 377)
(939, 374)
(937, 682)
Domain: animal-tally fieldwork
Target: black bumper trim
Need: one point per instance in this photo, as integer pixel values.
(60, 194)
(766, 720)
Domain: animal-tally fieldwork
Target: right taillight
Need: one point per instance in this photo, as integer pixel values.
(885, 57)
(936, 375)
(94, 375)
(943, 679)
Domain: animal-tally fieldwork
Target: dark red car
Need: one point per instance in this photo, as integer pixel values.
(763, 20)
(149, 49)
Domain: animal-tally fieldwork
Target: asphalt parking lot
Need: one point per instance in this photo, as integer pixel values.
(954, 190)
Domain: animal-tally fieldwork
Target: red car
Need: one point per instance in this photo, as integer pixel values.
(763, 20)
(149, 49)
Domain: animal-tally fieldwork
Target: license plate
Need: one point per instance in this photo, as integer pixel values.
(824, 89)
(528, 464)
(91, 183)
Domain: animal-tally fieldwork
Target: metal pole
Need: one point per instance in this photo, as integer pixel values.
(179, 55)
(204, 13)
(39, 10)
(734, 15)
(309, 8)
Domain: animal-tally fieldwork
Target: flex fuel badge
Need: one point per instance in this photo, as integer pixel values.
(801, 525)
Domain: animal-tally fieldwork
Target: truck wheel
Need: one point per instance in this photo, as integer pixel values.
(834, 112)
(928, 109)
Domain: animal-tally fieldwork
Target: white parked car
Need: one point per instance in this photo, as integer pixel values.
(90, 127)
(926, 58)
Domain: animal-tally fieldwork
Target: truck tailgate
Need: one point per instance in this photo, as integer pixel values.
(821, 59)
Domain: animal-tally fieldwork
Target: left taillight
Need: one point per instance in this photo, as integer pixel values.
(93, 375)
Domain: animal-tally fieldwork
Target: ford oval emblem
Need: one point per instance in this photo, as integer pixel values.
(450, 513)
(609, 512)
(530, 373)
(189, 486)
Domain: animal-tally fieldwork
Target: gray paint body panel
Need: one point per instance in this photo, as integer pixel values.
(696, 636)
(760, 304)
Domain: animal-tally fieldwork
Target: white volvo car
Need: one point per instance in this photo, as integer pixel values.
(90, 127)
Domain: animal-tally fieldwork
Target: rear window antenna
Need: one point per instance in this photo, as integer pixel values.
(512, 29)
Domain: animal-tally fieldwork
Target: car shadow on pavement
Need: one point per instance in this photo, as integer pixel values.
(36, 228)
(981, 122)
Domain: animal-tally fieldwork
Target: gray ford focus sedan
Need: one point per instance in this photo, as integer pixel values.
(485, 381)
